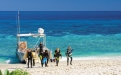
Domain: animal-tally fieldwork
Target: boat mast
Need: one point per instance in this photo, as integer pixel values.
(18, 24)
(18, 32)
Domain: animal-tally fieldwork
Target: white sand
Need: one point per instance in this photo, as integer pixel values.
(79, 67)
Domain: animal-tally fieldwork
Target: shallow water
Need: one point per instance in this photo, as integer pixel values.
(90, 34)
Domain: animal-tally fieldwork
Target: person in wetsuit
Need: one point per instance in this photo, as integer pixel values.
(69, 55)
(45, 57)
(29, 56)
(40, 51)
(34, 56)
(57, 54)
(40, 47)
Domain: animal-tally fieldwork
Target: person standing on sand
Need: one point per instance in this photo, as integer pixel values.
(57, 54)
(69, 55)
(50, 56)
(29, 56)
(45, 57)
(40, 51)
(34, 57)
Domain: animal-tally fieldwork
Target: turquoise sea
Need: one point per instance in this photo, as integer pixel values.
(92, 34)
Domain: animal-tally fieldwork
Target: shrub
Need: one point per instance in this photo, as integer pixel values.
(19, 72)
(15, 72)
(6, 72)
(0, 72)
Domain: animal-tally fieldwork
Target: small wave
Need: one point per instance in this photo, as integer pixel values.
(8, 61)
(91, 58)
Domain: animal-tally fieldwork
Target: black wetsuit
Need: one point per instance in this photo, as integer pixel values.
(45, 55)
(29, 56)
(57, 55)
(41, 52)
(69, 55)
(41, 48)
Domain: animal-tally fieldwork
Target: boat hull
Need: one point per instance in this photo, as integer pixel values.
(20, 56)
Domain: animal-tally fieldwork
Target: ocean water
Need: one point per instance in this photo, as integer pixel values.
(92, 34)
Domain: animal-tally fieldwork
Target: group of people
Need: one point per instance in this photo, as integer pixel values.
(44, 56)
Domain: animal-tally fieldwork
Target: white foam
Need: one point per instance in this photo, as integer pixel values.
(90, 58)
(8, 61)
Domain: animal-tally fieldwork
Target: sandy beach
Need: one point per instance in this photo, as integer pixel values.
(79, 67)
